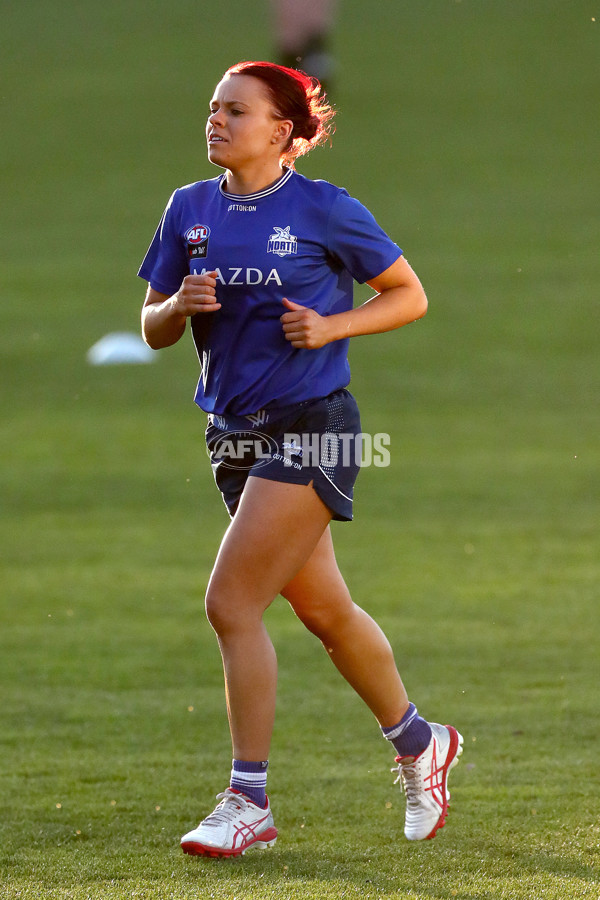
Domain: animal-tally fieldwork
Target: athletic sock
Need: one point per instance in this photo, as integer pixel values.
(411, 735)
(250, 779)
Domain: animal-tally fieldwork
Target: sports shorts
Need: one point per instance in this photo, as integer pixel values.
(316, 441)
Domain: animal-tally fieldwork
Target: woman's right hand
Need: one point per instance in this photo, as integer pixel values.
(197, 294)
(164, 317)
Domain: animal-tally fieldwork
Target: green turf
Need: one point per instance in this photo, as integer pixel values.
(470, 128)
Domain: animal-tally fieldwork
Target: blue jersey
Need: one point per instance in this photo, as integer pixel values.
(301, 239)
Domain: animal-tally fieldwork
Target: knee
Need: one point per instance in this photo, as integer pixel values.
(230, 609)
(323, 620)
(219, 611)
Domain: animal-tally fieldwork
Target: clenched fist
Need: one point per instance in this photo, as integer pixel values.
(304, 328)
(196, 295)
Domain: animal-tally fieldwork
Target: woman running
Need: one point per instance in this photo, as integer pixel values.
(262, 261)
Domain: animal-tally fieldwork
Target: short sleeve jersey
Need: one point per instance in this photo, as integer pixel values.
(301, 239)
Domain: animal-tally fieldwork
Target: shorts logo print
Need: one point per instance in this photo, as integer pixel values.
(291, 448)
(259, 418)
(242, 449)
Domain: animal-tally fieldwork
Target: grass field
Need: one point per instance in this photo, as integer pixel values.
(470, 129)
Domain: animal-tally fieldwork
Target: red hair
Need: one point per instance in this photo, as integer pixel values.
(295, 96)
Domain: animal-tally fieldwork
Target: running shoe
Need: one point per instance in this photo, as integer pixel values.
(235, 826)
(424, 780)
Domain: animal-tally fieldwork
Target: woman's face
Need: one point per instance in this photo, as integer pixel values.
(242, 128)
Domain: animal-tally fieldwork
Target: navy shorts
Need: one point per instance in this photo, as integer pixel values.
(316, 441)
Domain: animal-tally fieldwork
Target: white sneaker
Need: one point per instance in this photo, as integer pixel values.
(235, 825)
(424, 780)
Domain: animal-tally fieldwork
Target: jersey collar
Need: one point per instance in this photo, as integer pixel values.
(264, 193)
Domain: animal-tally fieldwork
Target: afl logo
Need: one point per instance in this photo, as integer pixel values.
(243, 449)
(197, 240)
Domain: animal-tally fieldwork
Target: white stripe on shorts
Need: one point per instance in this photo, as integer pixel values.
(334, 485)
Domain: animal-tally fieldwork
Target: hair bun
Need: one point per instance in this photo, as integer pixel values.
(311, 128)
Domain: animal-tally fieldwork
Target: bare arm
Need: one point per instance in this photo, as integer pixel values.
(400, 299)
(164, 317)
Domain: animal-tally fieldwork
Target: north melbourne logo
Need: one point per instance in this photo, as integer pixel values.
(282, 242)
(292, 448)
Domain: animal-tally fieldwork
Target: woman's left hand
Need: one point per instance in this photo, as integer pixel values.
(303, 327)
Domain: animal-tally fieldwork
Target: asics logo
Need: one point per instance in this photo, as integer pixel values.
(434, 782)
(244, 832)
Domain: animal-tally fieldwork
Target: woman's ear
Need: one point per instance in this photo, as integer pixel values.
(283, 131)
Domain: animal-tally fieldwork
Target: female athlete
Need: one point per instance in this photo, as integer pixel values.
(261, 261)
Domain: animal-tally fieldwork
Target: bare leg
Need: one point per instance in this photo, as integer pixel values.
(275, 530)
(356, 644)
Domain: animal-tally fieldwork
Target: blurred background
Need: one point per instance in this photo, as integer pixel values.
(470, 130)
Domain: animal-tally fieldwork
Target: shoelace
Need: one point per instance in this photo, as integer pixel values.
(227, 810)
(407, 776)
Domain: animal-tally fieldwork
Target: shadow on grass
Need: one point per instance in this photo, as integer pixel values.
(483, 870)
